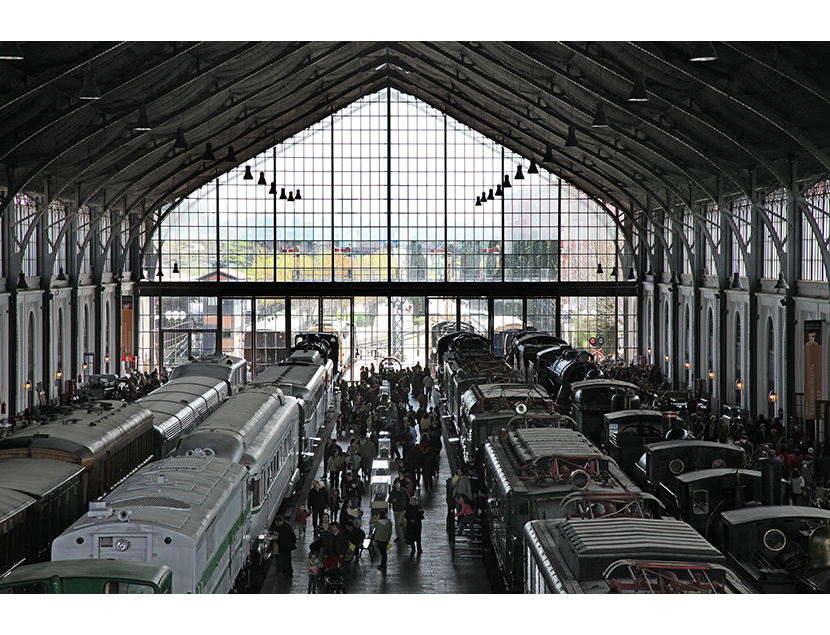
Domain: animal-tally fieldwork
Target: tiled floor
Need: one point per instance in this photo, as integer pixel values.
(432, 572)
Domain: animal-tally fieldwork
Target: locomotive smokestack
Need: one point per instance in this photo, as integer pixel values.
(771, 470)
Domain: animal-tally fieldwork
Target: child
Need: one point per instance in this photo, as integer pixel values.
(300, 518)
(313, 570)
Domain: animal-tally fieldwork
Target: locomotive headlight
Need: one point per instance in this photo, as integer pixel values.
(122, 544)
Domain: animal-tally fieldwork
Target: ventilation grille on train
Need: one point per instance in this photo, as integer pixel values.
(154, 501)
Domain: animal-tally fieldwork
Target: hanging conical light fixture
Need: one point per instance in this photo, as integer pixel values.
(10, 51)
(208, 155)
(631, 277)
(571, 141)
(61, 275)
(90, 88)
(21, 281)
(548, 158)
(181, 142)
(613, 271)
(262, 180)
(639, 91)
(248, 176)
(498, 190)
(175, 267)
(283, 197)
(600, 120)
(231, 158)
(781, 285)
(490, 196)
(533, 169)
(143, 124)
(291, 197)
(506, 183)
(297, 196)
(599, 268)
(273, 189)
(519, 176)
(736, 282)
(703, 52)
(478, 201)
(483, 196)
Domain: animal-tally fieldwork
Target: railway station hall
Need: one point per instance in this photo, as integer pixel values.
(515, 316)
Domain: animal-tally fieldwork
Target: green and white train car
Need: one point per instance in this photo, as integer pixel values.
(110, 577)
(192, 514)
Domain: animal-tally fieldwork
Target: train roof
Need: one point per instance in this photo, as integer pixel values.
(716, 473)
(174, 404)
(685, 444)
(182, 494)
(579, 552)
(129, 570)
(755, 514)
(88, 433)
(636, 414)
(604, 383)
(237, 422)
(13, 502)
(543, 462)
(215, 365)
(500, 397)
(292, 374)
(36, 477)
(262, 445)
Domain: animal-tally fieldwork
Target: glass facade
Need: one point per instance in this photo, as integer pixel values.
(387, 190)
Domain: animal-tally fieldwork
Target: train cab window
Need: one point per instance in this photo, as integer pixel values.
(700, 501)
(124, 588)
(28, 588)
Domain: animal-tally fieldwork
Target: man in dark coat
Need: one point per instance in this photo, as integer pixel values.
(414, 462)
(335, 543)
(286, 543)
(318, 500)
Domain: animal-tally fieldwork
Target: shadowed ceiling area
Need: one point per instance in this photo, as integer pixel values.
(725, 125)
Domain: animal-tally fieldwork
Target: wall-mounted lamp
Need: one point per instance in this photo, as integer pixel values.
(106, 359)
(772, 396)
(648, 350)
(711, 374)
(85, 366)
(667, 357)
(58, 374)
(28, 385)
(739, 385)
(688, 364)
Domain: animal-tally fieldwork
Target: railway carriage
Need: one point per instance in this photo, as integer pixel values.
(15, 511)
(258, 428)
(89, 576)
(593, 398)
(55, 488)
(308, 374)
(623, 555)
(626, 433)
(189, 513)
(550, 473)
(232, 370)
(780, 548)
(109, 439)
(179, 406)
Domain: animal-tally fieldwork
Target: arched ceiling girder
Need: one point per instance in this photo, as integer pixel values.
(471, 119)
(226, 90)
(536, 122)
(718, 167)
(420, 89)
(223, 115)
(720, 130)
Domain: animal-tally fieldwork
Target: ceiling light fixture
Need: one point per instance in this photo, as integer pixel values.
(248, 176)
(519, 176)
(61, 275)
(297, 196)
(600, 120)
(639, 91)
(599, 268)
(506, 182)
(208, 155)
(231, 158)
(533, 169)
(703, 52)
(548, 158)
(181, 142)
(631, 277)
(483, 196)
(781, 285)
(90, 89)
(291, 197)
(21, 281)
(175, 267)
(143, 124)
(10, 51)
(498, 190)
(262, 180)
(283, 197)
(273, 189)
(478, 201)
(490, 196)
(571, 141)
(736, 282)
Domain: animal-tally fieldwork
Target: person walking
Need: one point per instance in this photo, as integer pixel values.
(383, 534)
(414, 518)
(286, 543)
(318, 500)
(398, 500)
(313, 570)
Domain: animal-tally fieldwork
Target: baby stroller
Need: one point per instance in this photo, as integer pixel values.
(334, 578)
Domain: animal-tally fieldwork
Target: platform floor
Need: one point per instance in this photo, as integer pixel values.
(431, 572)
